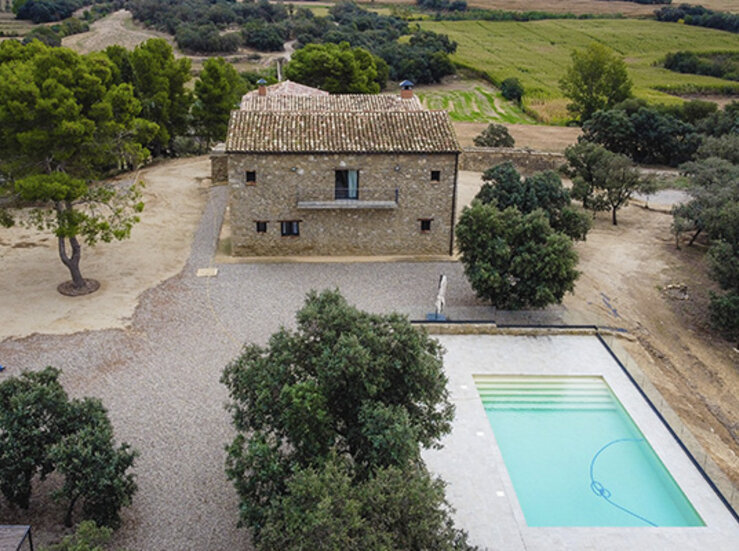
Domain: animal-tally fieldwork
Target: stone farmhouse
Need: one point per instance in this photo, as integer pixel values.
(312, 173)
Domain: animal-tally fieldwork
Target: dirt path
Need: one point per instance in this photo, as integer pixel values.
(116, 28)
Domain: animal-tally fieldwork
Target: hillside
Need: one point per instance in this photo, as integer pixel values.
(538, 52)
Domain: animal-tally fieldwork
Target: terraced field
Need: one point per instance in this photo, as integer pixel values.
(10, 26)
(475, 104)
(538, 52)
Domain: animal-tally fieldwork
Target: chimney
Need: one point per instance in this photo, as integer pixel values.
(406, 89)
(262, 87)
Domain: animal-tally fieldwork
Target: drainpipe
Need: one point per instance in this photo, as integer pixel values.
(454, 203)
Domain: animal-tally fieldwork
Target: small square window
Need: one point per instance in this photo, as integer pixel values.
(290, 227)
(436, 175)
(261, 227)
(425, 225)
(251, 177)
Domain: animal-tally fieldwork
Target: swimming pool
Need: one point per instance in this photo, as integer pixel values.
(575, 456)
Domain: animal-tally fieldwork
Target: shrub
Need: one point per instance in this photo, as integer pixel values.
(512, 89)
(495, 135)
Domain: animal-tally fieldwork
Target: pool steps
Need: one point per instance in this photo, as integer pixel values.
(542, 392)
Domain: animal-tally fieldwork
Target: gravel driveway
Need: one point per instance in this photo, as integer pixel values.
(159, 378)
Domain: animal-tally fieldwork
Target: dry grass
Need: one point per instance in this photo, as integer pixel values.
(11, 26)
(543, 138)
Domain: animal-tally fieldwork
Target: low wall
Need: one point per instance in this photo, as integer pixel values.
(527, 161)
(219, 168)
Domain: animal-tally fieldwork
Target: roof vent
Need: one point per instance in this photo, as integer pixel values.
(262, 87)
(406, 89)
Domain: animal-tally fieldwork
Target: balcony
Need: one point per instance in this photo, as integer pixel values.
(344, 198)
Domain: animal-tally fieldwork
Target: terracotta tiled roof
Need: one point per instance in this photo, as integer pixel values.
(341, 132)
(338, 102)
(286, 88)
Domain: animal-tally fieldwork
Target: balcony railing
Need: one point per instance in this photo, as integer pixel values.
(345, 198)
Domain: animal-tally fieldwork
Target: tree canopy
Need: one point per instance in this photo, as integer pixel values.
(512, 89)
(338, 68)
(603, 180)
(504, 187)
(495, 135)
(327, 417)
(645, 135)
(159, 83)
(42, 431)
(515, 260)
(217, 91)
(597, 79)
(714, 210)
(64, 121)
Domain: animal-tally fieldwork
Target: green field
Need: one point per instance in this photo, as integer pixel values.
(538, 52)
(474, 105)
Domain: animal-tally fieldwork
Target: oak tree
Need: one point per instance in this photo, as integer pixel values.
(364, 390)
(515, 260)
(505, 187)
(495, 135)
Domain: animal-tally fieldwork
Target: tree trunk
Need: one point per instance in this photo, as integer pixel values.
(613, 216)
(71, 262)
(70, 510)
(696, 234)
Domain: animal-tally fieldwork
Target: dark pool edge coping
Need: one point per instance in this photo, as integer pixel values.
(711, 473)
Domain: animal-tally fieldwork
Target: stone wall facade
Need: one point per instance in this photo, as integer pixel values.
(479, 159)
(396, 193)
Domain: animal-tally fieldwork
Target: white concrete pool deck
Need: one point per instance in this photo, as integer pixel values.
(480, 489)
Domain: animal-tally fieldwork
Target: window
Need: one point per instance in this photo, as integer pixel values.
(425, 224)
(436, 175)
(261, 227)
(251, 177)
(347, 184)
(290, 227)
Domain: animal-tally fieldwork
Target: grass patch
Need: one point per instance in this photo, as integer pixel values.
(474, 105)
(538, 53)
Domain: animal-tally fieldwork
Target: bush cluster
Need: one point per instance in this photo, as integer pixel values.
(199, 25)
(646, 135)
(700, 16)
(442, 5)
(719, 64)
(44, 11)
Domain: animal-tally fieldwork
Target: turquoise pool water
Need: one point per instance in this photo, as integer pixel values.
(575, 456)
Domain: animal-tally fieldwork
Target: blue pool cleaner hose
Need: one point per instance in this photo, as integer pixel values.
(605, 493)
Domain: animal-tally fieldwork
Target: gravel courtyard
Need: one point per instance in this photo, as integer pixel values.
(159, 377)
